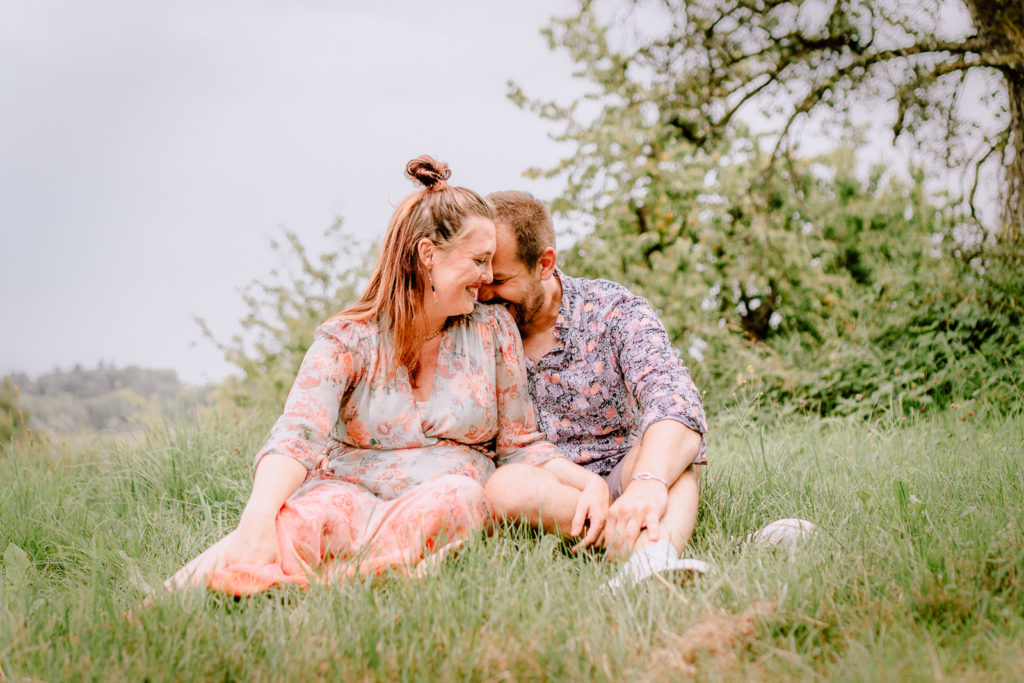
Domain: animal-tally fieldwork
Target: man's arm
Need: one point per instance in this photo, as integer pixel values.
(672, 428)
(666, 451)
(667, 448)
(592, 506)
(655, 376)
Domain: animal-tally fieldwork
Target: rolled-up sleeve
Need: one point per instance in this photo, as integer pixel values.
(653, 372)
(330, 368)
(518, 439)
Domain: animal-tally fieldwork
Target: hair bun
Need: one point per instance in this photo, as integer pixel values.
(428, 172)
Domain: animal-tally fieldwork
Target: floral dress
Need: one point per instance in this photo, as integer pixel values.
(391, 479)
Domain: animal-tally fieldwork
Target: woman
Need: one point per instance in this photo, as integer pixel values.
(401, 408)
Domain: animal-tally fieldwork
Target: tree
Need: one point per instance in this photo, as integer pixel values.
(796, 276)
(713, 61)
(282, 315)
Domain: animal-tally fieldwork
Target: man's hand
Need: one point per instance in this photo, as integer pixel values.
(641, 506)
(592, 506)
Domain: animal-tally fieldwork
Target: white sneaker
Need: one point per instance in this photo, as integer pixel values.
(657, 558)
(782, 533)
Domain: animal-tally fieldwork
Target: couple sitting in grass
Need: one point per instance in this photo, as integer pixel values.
(410, 426)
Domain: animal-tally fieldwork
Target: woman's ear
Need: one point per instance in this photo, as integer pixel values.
(425, 249)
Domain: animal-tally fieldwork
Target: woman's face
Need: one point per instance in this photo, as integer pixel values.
(459, 269)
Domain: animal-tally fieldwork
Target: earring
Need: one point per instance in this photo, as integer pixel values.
(433, 291)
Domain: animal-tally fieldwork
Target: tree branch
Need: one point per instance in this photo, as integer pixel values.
(732, 112)
(998, 145)
(868, 61)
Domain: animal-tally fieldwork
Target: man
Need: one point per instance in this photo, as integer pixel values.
(609, 391)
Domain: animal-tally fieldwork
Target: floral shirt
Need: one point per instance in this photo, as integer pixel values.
(345, 419)
(612, 374)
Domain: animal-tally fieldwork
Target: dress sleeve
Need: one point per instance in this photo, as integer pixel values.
(655, 376)
(518, 439)
(331, 367)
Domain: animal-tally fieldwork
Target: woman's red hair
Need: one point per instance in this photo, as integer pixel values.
(394, 296)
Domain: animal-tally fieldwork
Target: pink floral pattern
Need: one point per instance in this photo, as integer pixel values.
(346, 420)
(336, 530)
(393, 483)
(612, 374)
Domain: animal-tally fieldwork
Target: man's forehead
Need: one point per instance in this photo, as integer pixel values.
(504, 231)
(506, 247)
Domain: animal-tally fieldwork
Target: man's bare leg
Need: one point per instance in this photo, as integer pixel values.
(533, 495)
(676, 527)
(680, 517)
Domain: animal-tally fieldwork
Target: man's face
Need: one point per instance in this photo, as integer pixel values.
(514, 285)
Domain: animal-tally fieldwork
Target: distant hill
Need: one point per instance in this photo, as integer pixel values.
(104, 398)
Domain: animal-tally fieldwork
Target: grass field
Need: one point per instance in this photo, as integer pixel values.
(915, 574)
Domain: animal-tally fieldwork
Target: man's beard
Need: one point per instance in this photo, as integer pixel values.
(524, 311)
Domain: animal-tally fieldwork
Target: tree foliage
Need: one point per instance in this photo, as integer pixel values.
(799, 278)
(699, 66)
(104, 398)
(282, 314)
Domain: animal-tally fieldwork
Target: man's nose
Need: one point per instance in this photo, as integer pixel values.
(485, 294)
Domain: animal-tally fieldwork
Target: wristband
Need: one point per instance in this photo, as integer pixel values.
(643, 476)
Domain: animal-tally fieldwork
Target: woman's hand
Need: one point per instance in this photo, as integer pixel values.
(253, 542)
(255, 539)
(592, 508)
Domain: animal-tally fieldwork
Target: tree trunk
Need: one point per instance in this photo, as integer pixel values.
(1013, 218)
(1000, 26)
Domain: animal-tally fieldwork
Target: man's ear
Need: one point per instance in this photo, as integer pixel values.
(425, 249)
(547, 261)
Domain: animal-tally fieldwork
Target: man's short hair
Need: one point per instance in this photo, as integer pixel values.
(530, 222)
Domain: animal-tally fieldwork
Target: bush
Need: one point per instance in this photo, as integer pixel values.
(282, 315)
(13, 419)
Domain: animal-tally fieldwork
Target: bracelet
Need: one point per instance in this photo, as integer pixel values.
(651, 476)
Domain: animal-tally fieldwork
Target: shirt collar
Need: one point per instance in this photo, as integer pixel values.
(569, 296)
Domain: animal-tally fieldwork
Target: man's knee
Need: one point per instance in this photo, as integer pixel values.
(514, 488)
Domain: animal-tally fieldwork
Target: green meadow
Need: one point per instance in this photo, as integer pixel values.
(869, 308)
(915, 573)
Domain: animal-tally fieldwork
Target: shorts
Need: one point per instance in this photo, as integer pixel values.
(614, 480)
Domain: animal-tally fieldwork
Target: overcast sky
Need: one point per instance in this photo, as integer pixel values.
(150, 150)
